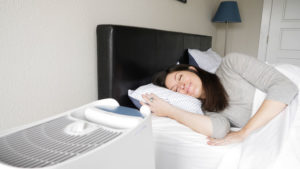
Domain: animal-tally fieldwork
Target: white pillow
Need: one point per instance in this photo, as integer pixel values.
(206, 60)
(179, 100)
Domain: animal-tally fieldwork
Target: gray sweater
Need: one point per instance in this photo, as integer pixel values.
(241, 75)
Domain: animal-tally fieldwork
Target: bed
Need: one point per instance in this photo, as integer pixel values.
(129, 56)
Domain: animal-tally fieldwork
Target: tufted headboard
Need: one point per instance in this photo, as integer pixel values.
(129, 56)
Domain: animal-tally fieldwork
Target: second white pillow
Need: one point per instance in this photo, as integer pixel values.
(206, 60)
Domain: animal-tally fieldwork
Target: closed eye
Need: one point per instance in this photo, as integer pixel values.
(180, 77)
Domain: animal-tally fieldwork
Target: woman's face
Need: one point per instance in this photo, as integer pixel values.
(185, 82)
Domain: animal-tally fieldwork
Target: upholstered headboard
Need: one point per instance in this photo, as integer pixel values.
(129, 56)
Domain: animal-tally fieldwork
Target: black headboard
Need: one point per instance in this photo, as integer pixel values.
(129, 56)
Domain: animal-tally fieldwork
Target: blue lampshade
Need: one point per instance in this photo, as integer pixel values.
(228, 11)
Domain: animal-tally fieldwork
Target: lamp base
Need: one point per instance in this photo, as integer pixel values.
(225, 46)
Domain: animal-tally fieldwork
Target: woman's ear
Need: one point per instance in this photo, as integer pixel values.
(193, 68)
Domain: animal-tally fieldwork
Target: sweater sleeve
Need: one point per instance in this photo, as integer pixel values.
(262, 76)
(221, 125)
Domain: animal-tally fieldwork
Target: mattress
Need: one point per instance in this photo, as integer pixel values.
(178, 147)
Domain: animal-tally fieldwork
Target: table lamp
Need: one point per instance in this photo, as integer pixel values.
(227, 12)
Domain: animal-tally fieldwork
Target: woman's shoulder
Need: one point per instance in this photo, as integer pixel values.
(231, 59)
(236, 58)
(238, 62)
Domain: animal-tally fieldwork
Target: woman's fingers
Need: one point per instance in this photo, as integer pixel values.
(232, 137)
(142, 103)
(217, 142)
(153, 96)
(149, 98)
(157, 105)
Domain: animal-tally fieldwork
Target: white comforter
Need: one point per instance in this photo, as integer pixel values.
(178, 147)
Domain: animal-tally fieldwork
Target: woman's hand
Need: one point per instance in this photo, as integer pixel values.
(198, 122)
(232, 137)
(158, 106)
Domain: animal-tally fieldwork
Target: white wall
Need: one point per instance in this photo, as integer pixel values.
(48, 48)
(242, 37)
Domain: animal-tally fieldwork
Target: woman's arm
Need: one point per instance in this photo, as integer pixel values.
(197, 122)
(279, 89)
(267, 111)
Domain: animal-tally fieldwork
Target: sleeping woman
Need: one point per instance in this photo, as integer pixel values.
(226, 97)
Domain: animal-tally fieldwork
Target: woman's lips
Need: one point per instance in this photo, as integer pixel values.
(188, 88)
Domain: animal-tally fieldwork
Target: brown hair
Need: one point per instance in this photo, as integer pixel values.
(216, 97)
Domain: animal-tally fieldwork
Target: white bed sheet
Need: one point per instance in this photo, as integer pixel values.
(178, 147)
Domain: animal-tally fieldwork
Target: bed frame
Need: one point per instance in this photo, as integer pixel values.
(129, 56)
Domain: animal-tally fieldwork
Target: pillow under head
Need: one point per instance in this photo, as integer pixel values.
(179, 100)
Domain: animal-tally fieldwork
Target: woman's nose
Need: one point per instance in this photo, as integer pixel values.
(181, 88)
